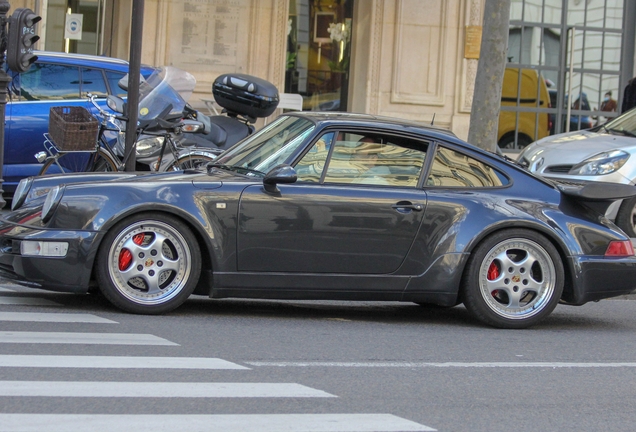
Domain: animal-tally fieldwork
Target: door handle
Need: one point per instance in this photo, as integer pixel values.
(405, 206)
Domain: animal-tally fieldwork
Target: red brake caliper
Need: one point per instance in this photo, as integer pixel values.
(493, 273)
(125, 256)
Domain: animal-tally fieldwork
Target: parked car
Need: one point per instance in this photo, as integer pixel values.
(325, 206)
(606, 153)
(531, 92)
(55, 79)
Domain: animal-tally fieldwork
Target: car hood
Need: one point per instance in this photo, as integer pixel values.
(575, 147)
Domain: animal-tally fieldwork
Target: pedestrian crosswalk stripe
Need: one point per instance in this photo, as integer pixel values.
(398, 364)
(157, 389)
(26, 301)
(54, 317)
(206, 423)
(82, 338)
(116, 362)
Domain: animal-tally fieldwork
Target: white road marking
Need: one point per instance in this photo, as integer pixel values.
(83, 338)
(3, 289)
(54, 317)
(27, 301)
(118, 362)
(206, 423)
(445, 365)
(157, 389)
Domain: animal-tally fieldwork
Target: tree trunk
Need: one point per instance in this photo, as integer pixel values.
(484, 116)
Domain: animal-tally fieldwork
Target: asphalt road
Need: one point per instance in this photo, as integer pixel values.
(233, 365)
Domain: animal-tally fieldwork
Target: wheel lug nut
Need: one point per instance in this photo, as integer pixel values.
(525, 281)
(153, 252)
(506, 281)
(515, 288)
(141, 255)
(151, 272)
(159, 263)
(522, 270)
(140, 267)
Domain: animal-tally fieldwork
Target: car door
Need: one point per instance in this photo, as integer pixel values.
(337, 218)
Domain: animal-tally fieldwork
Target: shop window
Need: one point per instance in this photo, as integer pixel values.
(319, 52)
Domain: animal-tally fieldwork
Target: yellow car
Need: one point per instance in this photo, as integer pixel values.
(533, 93)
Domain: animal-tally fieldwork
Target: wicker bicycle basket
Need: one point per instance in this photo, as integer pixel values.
(72, 128)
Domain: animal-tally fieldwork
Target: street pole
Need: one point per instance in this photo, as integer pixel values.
(134, 71)
(4, 84)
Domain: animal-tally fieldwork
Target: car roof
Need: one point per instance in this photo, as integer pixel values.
(88, 60)
(369, 120)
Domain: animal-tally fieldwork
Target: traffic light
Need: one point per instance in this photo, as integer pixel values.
(22, 36)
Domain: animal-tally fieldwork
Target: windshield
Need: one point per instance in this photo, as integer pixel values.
(269, 147)
(166, 86)
(624, 123)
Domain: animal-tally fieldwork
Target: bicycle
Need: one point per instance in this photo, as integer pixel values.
(100, 156)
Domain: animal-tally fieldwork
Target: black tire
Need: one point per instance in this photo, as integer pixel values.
(79, 162)
(626, 217)
(513, 279)
(508, 141)
(190, 162)
(148, 264)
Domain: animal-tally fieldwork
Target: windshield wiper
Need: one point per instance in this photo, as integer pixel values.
(623, 132)
(236, 168)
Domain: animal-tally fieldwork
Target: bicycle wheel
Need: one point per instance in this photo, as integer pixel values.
(65, 163)
(189, 161)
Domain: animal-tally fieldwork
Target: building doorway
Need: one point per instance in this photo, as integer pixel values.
(76, 26)
(318, 52)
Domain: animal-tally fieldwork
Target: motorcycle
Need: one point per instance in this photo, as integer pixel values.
(164, 95)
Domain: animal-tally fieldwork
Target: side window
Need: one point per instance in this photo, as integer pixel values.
(311, 166)
(454, 169)
(45, 81)
(113, 82)
(93, 82)
(372, 159)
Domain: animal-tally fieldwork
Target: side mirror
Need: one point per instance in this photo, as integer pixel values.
(117, 104)
(283, 174)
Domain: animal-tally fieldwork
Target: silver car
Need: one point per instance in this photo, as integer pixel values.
(606, 153)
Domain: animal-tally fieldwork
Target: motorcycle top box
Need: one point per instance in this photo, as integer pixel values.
(245, 95)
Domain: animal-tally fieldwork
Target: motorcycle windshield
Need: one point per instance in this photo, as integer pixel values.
(165, 92)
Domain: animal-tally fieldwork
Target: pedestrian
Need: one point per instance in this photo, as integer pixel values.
(629, 97)
(607, 105)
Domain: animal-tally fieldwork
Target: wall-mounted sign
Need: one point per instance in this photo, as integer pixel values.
(73, 27)
(472, 47)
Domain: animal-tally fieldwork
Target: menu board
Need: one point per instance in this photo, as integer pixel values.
(210, 34)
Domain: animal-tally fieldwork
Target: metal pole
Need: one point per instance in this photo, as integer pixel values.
(134, 72)
(567, 122)
(4, 84)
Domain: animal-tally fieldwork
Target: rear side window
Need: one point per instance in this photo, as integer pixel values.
(113, 82)
(454, 169)
(93, 82)
(46, 81)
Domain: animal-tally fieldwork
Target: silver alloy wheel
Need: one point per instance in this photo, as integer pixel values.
(517, 278)
(149, 262)
(632, 218)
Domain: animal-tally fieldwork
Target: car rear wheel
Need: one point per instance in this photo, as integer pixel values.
(513, 279)
(148, 264)
(626, 217)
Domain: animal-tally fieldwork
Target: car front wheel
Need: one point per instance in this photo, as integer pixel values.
(513, 279)
(148, 264)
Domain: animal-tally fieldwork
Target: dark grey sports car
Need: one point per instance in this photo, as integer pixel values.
(326, 206)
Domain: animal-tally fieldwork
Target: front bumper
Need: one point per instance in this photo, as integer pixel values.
(597, 278)
(71, 273)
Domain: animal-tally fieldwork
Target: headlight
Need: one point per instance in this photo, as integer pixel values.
(149, 146)
(52, 201)
(21, 192)
(601, 164)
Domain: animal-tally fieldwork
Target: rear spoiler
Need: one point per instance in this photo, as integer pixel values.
(597, 195)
